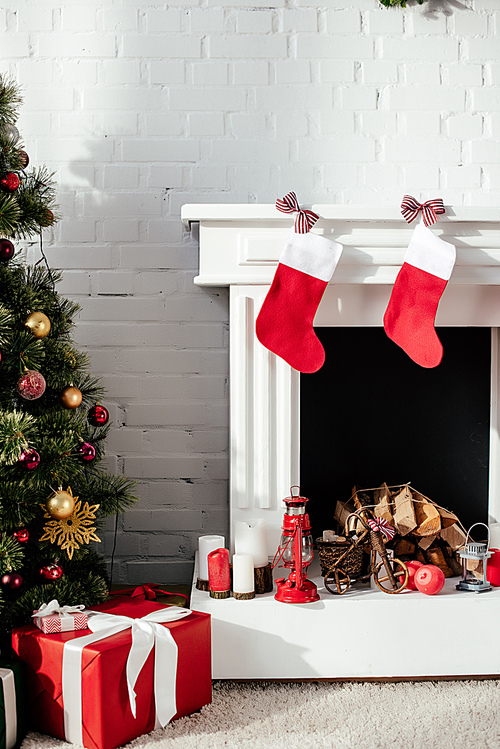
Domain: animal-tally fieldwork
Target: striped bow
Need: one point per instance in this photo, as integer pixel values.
(379, 524)
(410, 209)
(305, 219)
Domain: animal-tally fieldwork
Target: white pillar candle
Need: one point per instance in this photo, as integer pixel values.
(494, 535)
(206, 544)
(243, 580)
(250, 537)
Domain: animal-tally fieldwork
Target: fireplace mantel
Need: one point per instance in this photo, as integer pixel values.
(367, 634)
(240, 244)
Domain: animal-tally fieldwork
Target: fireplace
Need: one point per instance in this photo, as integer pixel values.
(371, 414)
(239, 248)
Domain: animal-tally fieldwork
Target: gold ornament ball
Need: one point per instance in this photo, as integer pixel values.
(38, 323)
(70, 397)
(60, 505)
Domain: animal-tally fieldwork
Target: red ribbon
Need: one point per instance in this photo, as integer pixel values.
(410, 208)
(147, 591)
(305, 219)
(379, 524)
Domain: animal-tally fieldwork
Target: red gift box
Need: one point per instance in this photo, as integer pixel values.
(107, 719)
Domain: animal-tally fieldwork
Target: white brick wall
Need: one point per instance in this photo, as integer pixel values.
(140, 106)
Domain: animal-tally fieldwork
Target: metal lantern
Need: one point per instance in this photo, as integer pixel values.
(296, 550)
(474, 564)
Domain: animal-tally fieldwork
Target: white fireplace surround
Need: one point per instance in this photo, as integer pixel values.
(239, 248)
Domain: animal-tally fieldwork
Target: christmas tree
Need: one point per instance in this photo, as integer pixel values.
(54, 492)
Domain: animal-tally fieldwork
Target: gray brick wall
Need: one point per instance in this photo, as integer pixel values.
(142, 106)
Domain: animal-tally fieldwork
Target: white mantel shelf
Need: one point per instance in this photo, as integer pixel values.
(241, 244)
(249, 212)
(366, 634)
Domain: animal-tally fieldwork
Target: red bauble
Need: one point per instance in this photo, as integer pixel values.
(51, 572)
(412, 566)
(429, 579)
(6, 249)
(11, 580)
(87, 451)
(24, 159)
(31, 385)
(10, 182)
(30, 459)
(48, 219)
(22, 535)
(98, 416)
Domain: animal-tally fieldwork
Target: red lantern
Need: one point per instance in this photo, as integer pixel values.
(296, 550)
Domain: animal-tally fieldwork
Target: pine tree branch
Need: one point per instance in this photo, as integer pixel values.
(16, 429)
(10, 101)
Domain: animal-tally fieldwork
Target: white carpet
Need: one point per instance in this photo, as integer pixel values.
(342, 715)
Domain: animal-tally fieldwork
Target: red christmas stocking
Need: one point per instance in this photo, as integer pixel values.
(409, 318)
(285, 321)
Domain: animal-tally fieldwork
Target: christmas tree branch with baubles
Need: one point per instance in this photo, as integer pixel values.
(54, 493)
(399, 3)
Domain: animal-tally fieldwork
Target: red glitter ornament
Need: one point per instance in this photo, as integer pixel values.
(87, 451)
(30, 459)
(6, 249)
(98, 416)
(10, 182)
(11, 580)
(22, 535)
(51, 572)
(31, 385)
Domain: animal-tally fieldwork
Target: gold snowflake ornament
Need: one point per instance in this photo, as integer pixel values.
(71, 532)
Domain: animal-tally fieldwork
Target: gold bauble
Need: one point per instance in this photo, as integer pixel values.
(61, 504)
(70, 397)
(38, 323)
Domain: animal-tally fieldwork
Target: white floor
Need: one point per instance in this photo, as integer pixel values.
(363, 634)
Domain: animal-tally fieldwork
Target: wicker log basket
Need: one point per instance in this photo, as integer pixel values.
(330, 551)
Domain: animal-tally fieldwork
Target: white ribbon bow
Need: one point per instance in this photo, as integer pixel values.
(147, 633)
(47, 609)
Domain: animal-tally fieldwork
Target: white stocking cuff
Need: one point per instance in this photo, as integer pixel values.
(430, 253)
(312, 254)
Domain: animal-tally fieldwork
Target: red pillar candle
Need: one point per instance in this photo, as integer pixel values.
(219, 580)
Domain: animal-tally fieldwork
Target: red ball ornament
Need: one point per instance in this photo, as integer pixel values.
(10, 182)
(98, 416)
(30, 459)
(48, 219)
(87, 451)
(429, 579)
(31, 385)
(11, 580)
(24, 159)
(412, 567)
(51, 572)
(22, 535)
(6, 249)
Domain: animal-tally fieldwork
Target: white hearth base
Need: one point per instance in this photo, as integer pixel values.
(364, 634)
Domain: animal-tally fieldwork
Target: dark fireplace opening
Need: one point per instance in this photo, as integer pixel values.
(372, 415)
